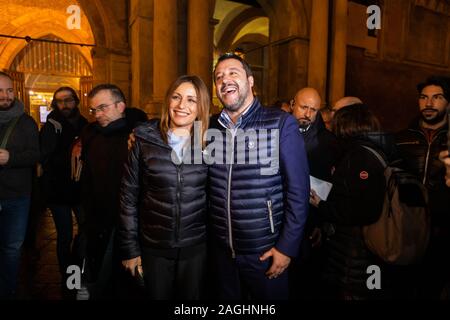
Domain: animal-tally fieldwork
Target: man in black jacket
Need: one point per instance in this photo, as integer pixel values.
(104, 145)
(19, 152)
(419, 147)
(322, 151)
(57, 137)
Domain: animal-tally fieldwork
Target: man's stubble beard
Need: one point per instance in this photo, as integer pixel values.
(437, 119)
(7, 105)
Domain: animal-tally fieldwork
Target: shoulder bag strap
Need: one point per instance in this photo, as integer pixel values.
(377, 155)
(8, 132)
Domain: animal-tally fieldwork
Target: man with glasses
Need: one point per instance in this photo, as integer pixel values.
(104, 152)
(61, 130)
(419, 147)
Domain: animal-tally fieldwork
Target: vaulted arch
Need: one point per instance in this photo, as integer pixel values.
(233, 28)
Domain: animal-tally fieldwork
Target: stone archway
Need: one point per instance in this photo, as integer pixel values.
(36, 20)
(96, 17)
(111, 56)
(234, 26)
(288, 46)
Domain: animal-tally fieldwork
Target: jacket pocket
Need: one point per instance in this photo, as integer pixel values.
(269, 208)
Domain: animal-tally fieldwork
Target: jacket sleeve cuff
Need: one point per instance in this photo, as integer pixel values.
(286, 248)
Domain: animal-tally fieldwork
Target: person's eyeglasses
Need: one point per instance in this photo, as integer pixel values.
(101, 107)
(64, 101)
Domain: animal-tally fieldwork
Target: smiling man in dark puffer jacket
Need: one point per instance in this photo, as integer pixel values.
(257, 213)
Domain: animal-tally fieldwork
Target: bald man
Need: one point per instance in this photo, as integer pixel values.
(305, 107)
(345, 102)
(321, 149)
(321, 145)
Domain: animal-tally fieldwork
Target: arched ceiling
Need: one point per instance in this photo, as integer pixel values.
(237, 19)
(226, 12)
(35, 18)
(258, 26)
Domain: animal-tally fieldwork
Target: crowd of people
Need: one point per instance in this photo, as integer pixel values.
(192, 206)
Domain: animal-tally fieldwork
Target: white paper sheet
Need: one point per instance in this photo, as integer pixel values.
(321, 187)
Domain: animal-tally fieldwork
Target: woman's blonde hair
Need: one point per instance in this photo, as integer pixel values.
(203, 105)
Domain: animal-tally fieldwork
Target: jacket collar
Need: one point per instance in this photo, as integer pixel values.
(317, 126)
(150, 132)
(244, 118)
(415, 126)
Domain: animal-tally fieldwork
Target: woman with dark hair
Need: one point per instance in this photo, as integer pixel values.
(355, 200)
(162, 227)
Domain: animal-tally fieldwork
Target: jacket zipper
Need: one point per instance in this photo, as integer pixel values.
(427, 159)
(269, 206)
(230, 171)
(178, 218)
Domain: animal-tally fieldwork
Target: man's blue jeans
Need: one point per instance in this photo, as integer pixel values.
(13, 227)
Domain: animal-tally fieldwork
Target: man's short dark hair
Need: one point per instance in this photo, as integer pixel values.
(245, 65)
(439, 81)
(115, 91)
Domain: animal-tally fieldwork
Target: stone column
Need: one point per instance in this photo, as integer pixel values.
(339, 50)
(112, 66)
(199, 40)
(165, 49)
(141, 37)
(318, 47)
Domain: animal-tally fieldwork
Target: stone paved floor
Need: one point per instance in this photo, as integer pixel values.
(39, 277)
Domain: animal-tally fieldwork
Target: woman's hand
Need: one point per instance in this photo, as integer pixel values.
(131, 264)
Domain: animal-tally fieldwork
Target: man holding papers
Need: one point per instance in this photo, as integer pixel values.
(321, 149)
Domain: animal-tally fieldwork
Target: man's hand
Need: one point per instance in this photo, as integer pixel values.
(4, 157)
(131, 264)
(314, 199)
(445, 157)
(316, 237)
(279, 262)
(76, 149)
(131, 140)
